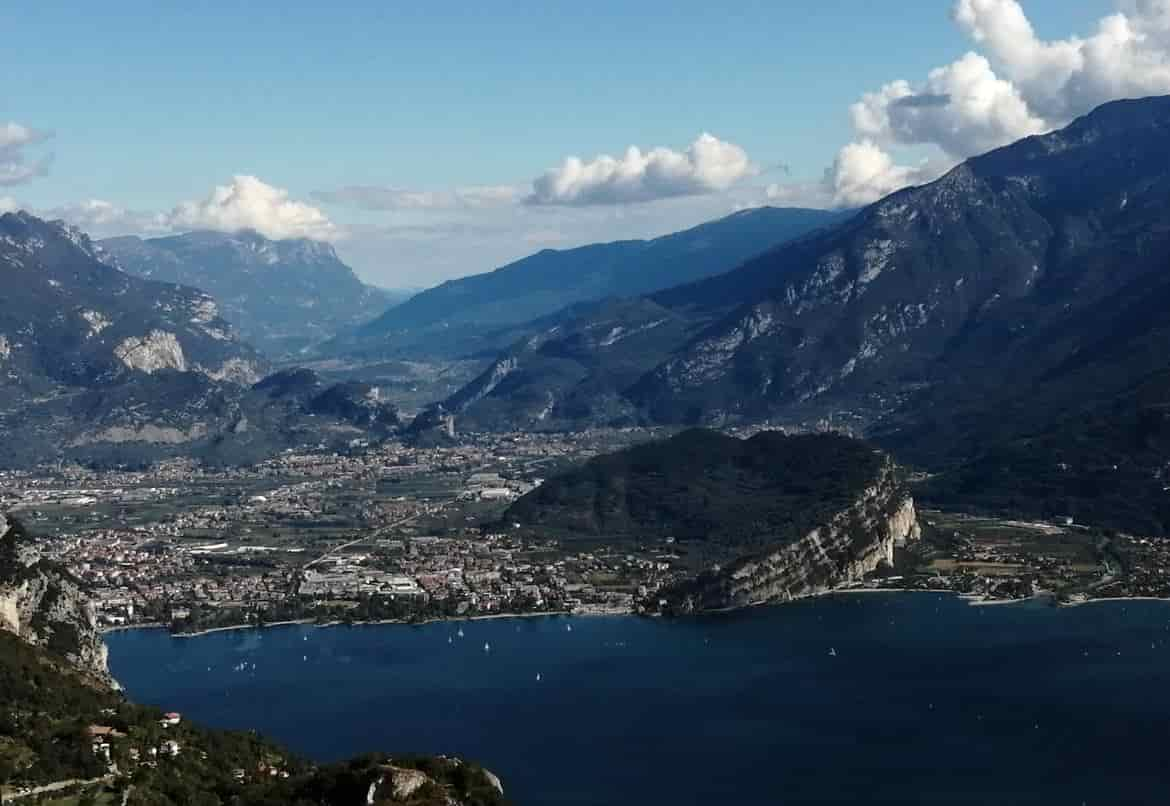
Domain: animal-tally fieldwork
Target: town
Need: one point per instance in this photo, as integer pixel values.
(405, 533)
(387, 533)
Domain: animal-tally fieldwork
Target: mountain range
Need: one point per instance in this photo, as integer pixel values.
(1009, 267)
(101, 366)
(70, 315)
(550, 280)
(283, 296)
(1018, 304)
(1008, 320)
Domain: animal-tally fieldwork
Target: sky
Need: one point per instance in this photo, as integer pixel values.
(428, 141)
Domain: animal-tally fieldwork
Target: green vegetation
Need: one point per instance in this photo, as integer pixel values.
(52, 719)
(1108, 466)
(704, 486)
(45, 710)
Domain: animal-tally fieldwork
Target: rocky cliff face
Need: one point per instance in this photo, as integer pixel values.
(281, 295)
(843, 549)
(44, 606)
(989, 278)
(572, 369)
(70, 315)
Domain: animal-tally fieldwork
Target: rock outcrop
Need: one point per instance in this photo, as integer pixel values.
(429, 780)
(282, 296)
(72, 316)
(45, 606)
(152, 352)
(778, 516)
(843, 549)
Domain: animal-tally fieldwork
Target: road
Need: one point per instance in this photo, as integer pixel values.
(56, 786)
(357, 541)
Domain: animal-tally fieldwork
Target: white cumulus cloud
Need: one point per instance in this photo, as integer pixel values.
(1127, 56)
(249, 203)
(963, 108)
(1017, 85)
(864, 172)
(15, 166)
(708, 165)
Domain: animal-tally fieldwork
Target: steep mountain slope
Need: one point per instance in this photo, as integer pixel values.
(1008, 324)
(69, 315)
(1088, 438)
(1002, 271)
(573, 369)
(282, 295)
(1107, 465)
(552, 279)
(44, 605)
(167, 414)
(777, 516)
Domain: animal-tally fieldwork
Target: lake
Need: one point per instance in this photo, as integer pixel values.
(871, 698)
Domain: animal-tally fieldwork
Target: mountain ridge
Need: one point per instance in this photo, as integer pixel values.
(550, 280)
(70, 314)
(913, 278)
(283, 295)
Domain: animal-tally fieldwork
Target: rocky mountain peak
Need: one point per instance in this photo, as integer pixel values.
(282, 295)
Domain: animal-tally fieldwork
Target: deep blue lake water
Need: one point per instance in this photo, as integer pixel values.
(926, 700)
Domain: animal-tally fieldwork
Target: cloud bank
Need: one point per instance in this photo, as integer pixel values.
(1017, 86)
(864, 172)
(708, 165)
(15, 166)
(249, 203)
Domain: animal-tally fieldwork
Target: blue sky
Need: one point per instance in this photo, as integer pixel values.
(154, 103)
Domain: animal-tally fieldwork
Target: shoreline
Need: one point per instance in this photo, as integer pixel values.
(369, 623)
(972, 600)
(1116, 599)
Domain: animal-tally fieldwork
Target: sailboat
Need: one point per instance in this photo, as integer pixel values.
(538, 677)
(487, 647)
(460, 633)
(832, 652)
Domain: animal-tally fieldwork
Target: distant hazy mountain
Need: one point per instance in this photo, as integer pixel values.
(144, 418)
(100, 366)
(282, 295)
(69, 315)
(553, 279)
